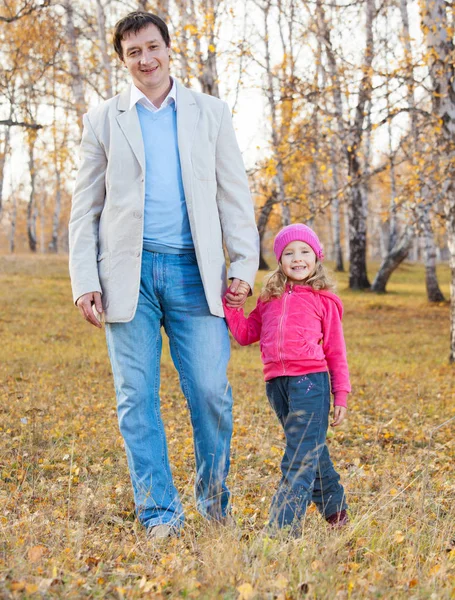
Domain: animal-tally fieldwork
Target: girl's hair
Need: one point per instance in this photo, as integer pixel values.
(275, 282)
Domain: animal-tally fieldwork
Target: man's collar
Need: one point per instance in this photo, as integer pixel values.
(137, 96)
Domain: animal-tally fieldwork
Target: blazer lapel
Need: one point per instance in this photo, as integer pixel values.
(129, 124)
(187, 118)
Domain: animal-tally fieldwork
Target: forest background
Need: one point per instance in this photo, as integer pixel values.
(345, 112)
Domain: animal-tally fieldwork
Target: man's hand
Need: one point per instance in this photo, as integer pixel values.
(237, 293)
(85, 304)
(339, 414)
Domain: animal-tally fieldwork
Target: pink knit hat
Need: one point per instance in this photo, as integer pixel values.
(300, 232)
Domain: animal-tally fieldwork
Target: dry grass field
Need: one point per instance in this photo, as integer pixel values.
(67, 527)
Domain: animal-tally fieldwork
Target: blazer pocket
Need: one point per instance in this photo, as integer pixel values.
(203, 165)
(103, 267)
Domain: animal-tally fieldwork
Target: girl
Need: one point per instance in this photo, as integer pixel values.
(297, 321)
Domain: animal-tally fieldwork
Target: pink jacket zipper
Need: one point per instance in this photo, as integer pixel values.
(280, 336)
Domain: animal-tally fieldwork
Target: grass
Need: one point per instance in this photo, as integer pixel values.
(67, 526)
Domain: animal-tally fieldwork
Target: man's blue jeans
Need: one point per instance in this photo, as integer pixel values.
(302, 405)
(172, 296)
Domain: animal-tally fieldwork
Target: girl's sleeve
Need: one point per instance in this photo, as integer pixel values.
(246, 330)
(335, 350)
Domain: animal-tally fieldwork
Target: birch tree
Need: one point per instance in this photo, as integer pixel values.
(77, 83)
(441, 60)
(399, 243)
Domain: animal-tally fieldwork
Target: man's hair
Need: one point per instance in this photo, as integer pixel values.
(133, 23)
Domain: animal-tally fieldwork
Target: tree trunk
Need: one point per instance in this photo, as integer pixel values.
(106, 61)
(53, 244)
(31, 208)
(434, 293)
(3, 154)
(183, 52)
(162, 9)
(358, 278)
(399, 246)
(394, 258)
(262, 227)
(325, 37)
(442, 71)
(13, 218)
(335, 213)
(270, 93)
(207, 73)
(357, 204)
(209, 76)
(77, 84)
(450, 214)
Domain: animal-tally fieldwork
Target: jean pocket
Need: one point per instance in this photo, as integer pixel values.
(189, 258)
(308, 396)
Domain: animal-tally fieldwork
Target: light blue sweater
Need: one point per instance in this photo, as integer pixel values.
(166, 225)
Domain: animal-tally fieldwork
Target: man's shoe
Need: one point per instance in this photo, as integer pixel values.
(162, 531)
(338, 519)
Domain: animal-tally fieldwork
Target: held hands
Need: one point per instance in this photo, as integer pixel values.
(237, 293)
(339, 414)
(87, 303)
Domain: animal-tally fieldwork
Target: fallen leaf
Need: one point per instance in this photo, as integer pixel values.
(246, 591)
(35, 554)
(31, 588)
(281, 582)
(398, 537)
(92, 561)
(17, 586)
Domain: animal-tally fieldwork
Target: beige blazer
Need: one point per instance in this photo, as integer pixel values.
(106, 223)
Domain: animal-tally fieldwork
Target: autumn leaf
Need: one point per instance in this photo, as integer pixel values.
(36, 553)
(398, 537)
(246, 591)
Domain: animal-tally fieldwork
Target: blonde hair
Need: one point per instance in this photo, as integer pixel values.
(275, 282)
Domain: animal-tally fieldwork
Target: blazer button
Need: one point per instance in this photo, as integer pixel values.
(137, 254)
(137, 214)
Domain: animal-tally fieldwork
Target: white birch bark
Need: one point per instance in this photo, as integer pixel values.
(106, 60)
(442, 70)
(434, 293)
(31, 206)
(77, 83)
(270, 93)
(325, 40)
(4, 150)
(13, 221)
(358, 278)
(399, 245)
(53, 244)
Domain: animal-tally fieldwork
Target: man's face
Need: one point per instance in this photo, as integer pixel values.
(146, 57)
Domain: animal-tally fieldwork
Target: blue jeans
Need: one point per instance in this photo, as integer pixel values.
(302, 405)
(172, 296)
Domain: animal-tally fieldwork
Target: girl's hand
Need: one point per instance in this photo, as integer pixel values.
(237, 293)
(339, 414)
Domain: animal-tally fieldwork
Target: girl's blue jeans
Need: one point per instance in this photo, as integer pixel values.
(302, 405)
(172, 296)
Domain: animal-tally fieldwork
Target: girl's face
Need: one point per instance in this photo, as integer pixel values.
(298, 261)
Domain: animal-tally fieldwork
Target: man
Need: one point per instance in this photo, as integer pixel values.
(160, 187)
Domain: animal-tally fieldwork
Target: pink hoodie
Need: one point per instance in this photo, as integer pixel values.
(299, 333)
